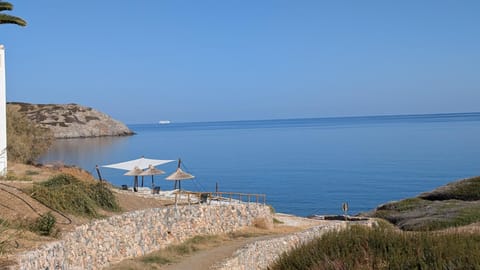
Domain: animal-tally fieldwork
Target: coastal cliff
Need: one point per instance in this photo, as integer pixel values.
(72, 120)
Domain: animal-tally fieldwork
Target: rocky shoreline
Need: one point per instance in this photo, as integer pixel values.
(72, 120)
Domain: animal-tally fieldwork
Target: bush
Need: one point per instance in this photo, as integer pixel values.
(26, 141)
(44, 225)
(67, 193)
(4, 238)
(103, 196)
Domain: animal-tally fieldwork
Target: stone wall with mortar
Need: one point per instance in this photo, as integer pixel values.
(106, 241)
(261, 254)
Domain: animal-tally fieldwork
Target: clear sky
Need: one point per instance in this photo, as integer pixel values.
(145, 61)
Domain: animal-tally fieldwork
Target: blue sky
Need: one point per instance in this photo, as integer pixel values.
(143, 61)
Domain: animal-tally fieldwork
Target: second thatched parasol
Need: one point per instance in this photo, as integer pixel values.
(152, 171)
(179, 175)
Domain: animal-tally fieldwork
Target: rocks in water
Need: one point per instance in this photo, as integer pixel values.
(72, 120)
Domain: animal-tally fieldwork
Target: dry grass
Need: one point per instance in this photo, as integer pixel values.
(363, 248)
(263, 223)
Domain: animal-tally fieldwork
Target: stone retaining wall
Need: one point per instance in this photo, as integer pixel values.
(261, 254)
(102, 242)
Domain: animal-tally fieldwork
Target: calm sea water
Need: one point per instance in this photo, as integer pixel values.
(305, 166)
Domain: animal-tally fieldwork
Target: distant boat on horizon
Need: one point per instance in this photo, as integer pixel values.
(164, 122)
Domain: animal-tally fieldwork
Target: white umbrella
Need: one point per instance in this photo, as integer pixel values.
(141, 163)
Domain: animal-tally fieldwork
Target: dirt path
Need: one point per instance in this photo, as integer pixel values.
(204, 260)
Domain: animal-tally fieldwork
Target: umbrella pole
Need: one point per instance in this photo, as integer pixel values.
(135, 184)
(142, 180)
(153, 184)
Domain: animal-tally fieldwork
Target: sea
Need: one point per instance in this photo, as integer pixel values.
(304, 166)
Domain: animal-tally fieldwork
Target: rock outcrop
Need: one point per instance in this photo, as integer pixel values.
(72, 120)
(452, 205)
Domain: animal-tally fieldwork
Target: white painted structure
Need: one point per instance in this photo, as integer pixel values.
(3, 115)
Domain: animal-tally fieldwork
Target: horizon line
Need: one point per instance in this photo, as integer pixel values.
(312, 118)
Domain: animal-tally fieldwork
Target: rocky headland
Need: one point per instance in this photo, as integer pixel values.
(452, 205)
(72, 120)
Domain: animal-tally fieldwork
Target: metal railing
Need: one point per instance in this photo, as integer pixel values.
(227, 197)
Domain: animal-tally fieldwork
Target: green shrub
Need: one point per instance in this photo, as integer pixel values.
(103, 196)
(156, 259)
(4, 239)
(272, 210)
(30, 173)
(276, 221)
(11, 177)
(26, 141)
(45, 224)
(363, 248)
(66, 193)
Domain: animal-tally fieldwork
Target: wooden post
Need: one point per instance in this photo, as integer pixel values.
(345, 209)
(98, 172)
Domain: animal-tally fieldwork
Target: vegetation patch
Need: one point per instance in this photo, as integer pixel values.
(31, 172)
(465, 190)
(26, 141)
(363, 248)
(4, 238)
(66, 193)
(44, 225)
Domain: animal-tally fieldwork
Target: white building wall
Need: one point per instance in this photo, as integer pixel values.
(3, 115)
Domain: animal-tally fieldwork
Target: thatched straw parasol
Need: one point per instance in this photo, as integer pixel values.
(152, 171)
(179, 175)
